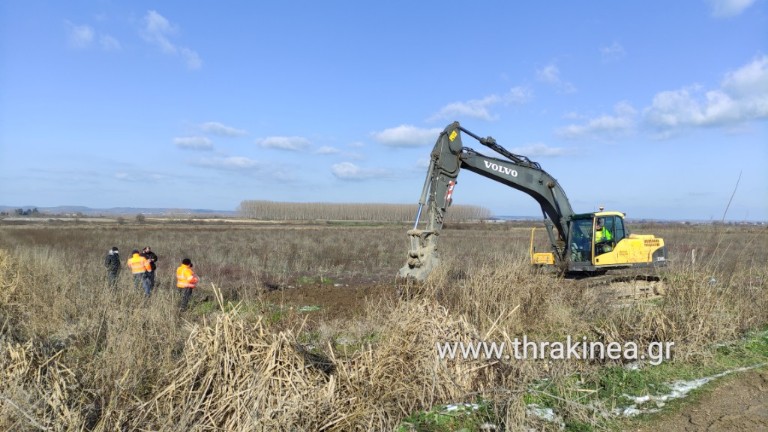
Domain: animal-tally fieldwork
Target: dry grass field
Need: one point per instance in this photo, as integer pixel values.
(297, 327)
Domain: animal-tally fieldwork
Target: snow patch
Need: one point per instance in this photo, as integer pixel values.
(678, 390)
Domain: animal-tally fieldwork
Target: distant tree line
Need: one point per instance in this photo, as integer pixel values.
(271, 210)
(23, 212)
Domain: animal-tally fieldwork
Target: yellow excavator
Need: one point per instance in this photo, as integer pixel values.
(581, 244)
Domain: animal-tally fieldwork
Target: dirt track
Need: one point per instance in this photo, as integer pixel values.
(738, 403)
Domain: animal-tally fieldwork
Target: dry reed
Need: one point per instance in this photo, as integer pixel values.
(238, 376)
(77, 357)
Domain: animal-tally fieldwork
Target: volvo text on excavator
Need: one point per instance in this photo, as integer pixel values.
(585, 244)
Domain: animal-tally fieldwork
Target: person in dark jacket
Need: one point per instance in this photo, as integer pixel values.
(152, 258)
(112, 263)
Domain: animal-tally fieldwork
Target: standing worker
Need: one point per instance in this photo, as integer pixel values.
(186, 281)
(152, 258)
(139, 266)
(112, 263)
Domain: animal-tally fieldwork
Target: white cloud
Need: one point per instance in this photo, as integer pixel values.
(604, 126)
(327, 150)
(84, 36)
(80, 36)
(145, 176)
(350, 171)
(539, 150)
(242, 165)
(612, 52)
(729, 8)
(550, 74)
(517, 95)
(292, 143)
(217, 128)
(406, 136)
(192, 58)
(229, 163)
(109, 43)
(742, 96)
(748, 81)
(573, 116)
(480, 108)
(157, 31)
(476, 108)
(353, 155)
(193, 143)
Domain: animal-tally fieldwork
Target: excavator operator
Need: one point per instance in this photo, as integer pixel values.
(603, 237)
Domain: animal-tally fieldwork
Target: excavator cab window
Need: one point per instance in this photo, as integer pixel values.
(618, 229)
(581, 240)
(612, 232)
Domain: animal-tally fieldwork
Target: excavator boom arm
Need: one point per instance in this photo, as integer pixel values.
(447, 159)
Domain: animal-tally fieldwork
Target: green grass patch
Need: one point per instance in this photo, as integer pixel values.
(348, 344)
(274, 314)
(451, 418)
(205, 307)
(314, 280)
(749, 352)
(612, 382)
(612, 386)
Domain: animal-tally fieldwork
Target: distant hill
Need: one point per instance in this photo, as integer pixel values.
(116, 211)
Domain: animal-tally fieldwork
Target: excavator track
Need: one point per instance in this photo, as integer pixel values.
(624, 288)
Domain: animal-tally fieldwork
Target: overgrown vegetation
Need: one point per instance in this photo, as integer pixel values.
(75, 356)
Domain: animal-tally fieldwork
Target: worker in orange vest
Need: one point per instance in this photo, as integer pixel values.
(139, 267)
(186, 281)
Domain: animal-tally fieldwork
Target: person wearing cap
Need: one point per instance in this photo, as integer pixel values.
(603, 237)
(186, 281)
(139, 266)
(112, 263)
(150, 276)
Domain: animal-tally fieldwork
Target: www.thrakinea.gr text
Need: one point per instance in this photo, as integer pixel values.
(570, 349)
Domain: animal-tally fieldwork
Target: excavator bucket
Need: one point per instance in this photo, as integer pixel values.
(422, 256)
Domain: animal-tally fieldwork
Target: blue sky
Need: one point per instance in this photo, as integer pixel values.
(653, 108)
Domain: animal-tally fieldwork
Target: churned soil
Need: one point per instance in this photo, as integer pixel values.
(342, 301)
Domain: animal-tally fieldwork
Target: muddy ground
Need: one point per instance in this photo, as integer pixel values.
(336, 302)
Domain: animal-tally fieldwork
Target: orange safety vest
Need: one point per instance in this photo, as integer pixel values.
(139, 264)
(186, 277)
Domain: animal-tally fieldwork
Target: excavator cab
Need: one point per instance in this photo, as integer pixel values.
(593, 236)
(601, 241)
